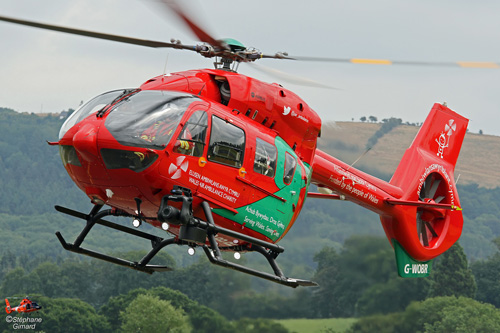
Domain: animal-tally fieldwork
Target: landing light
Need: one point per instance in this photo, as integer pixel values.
(97, 201)
(191, 251)
(164, 226)
(136, 223)
(237, 255)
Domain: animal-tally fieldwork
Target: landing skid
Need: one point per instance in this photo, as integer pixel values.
(157, 243)
(194, 232)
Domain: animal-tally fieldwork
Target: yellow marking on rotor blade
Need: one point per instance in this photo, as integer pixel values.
(478, 64)
(371, 61)
(456, 207)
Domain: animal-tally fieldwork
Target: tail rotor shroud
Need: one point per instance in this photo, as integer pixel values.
(429, 219)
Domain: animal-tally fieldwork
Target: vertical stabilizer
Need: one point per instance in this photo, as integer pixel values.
(429, 220)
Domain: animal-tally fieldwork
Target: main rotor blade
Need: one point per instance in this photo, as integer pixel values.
(301, 81)
(464, 64)
(98, 35)
(195, 28)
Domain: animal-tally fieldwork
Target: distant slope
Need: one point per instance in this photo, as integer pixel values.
(477, 164)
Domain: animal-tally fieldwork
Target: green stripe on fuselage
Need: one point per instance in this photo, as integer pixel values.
(271, 216)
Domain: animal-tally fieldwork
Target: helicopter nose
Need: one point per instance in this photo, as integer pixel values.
(85, 143)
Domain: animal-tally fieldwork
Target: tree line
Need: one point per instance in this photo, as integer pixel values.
(132, 312)
(358, 281)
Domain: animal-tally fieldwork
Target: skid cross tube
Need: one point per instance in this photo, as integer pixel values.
(278, 277)
(257, 245)
(90, 223)
(93, 218)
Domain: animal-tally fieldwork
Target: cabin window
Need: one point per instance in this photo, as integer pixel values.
(290, 164)
(265, 158)
(227, 143)
(191, 141)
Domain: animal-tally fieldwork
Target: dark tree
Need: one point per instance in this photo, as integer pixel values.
(325, 299)
(487, 275)
(451, 275)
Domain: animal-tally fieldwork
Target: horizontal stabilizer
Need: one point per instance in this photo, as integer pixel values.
(421, 204)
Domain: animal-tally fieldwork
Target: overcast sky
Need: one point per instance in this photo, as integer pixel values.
(42, 71)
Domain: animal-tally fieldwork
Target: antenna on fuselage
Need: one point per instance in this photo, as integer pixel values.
(165, 68)
(366, 151)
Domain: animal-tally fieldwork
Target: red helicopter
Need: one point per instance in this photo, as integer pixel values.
(224, 162)
(26, 306)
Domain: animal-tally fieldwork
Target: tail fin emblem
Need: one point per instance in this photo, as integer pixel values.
(444, 140)
(450, 127)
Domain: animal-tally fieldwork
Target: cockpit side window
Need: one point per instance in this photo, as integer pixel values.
(290, 164)
(265, 158)
(227, 143)
(92, 106)
(191, 140)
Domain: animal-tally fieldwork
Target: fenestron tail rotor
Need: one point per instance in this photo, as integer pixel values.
(429, 219)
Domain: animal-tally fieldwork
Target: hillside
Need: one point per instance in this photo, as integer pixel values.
(477, 164)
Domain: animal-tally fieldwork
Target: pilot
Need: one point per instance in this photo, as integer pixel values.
(160, 128)
(185, 144)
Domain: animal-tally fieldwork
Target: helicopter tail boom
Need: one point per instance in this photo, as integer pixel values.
(419, 208)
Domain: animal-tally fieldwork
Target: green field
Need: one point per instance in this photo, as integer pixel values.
(317, 325)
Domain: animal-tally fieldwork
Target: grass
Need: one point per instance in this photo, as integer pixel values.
(338, 325)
